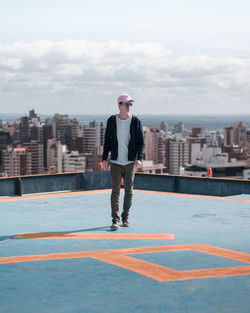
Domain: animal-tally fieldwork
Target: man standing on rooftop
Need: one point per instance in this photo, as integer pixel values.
(124, 138)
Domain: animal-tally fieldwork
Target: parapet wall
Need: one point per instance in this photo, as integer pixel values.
(192, 185)
(17, 186)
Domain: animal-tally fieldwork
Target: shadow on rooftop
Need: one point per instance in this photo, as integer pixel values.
(56, 234)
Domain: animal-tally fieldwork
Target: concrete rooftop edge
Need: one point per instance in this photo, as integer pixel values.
(18, 186)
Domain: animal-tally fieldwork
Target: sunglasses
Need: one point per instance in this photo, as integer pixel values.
(128, 104)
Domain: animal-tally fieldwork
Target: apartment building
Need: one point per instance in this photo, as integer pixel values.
(177, 155)
(93, 136)
(154, 145)
(36, 150)
(16, 162)
(74, 162)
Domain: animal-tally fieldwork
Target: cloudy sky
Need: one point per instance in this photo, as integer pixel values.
(172, 57)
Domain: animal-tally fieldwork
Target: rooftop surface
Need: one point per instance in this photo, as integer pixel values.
(182, 253)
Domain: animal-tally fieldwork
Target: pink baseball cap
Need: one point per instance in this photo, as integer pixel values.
(124, 98)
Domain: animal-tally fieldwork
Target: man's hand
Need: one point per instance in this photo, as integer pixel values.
(105, 165)
(137, 164)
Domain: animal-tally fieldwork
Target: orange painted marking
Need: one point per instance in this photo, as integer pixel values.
(75, 193)
(187, 195)
(151, 270)
(91, 236)
(53, 195)
(160, 273)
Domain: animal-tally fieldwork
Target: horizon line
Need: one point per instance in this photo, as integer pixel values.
(146, 114)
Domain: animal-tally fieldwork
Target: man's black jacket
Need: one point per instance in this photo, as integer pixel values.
(136, 142)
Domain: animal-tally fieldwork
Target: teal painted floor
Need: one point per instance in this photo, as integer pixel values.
(89, 285)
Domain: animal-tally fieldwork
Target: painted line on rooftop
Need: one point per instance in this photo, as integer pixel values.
(191, 195)
(91, 236)
(120, 258)
(75, 193)
(53, 195)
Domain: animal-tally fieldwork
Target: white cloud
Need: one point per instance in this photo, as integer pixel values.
(69, 73)
(9, 64)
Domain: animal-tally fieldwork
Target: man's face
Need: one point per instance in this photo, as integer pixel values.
(125, 106)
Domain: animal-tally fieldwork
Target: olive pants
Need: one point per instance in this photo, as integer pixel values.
(117, 172)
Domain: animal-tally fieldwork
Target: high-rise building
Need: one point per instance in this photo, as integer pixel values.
(164, 126)
(32, 114)
(77, 144)
(63, 128)
(235, 135)
(103, 128)
(177, 155)
(36, 150)
(76, 130)
(178, 128)
(5, 140)
(50, 122)
(24, 129)
(248, 138)
(30, 128)
(154, 145)
(228, 137)
(36, 133)
(240, 133)
(47, 134)
(93, 136)
(54, 154)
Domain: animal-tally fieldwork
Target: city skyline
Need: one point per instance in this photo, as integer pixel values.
(172, 58)
(58, 144)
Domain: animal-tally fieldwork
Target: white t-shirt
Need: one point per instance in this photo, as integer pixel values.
(123, 137)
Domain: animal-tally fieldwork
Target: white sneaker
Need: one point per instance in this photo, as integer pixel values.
(114, 226)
